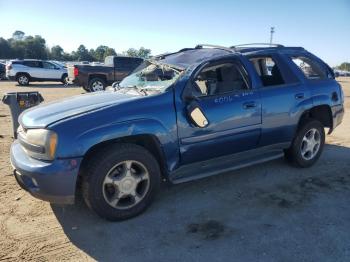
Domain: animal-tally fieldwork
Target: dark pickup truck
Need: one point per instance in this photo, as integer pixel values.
(96, 77)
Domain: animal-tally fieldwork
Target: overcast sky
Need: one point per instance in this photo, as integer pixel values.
(322, 27)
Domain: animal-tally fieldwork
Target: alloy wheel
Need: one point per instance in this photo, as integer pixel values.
(97, 86)
(126, 184)
(310, 144)
(23, 80)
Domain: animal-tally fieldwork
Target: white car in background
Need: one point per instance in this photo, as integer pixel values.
(31, 70)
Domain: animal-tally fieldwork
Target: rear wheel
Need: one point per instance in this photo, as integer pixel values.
(97, 84)
(307, 145)
(121, 182)
(23, 79)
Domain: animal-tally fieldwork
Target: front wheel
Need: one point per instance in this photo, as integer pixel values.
(121, 182)
(307, 145)
(64, 79)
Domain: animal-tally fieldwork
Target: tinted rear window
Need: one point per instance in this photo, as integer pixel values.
(32, 63)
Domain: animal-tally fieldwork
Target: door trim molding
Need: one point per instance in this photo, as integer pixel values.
(219, 134)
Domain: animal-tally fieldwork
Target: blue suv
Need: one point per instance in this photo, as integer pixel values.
(180, 116)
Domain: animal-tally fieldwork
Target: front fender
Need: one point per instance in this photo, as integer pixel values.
(79, 145)
(113, 131)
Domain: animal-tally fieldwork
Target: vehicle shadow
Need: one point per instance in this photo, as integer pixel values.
(247, 214)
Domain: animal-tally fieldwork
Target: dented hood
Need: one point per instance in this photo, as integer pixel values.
(43, 115)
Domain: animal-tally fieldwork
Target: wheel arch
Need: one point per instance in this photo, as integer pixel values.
(22, 73)
(101, 76)
(148, 141)
(322, 113)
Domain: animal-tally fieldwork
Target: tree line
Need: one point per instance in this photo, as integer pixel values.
(344, 66)
(34, 47)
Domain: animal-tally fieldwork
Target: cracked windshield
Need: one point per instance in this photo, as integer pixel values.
(150, 77)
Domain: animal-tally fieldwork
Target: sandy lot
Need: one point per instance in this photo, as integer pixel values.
(269, 212)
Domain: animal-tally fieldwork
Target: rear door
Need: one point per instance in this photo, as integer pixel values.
(283, 96)
(34, 68)
(232, 109)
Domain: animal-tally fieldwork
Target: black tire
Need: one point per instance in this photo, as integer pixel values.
(294, 154)
(86, 89)
(64, 79)
(23, 79)
(95, 83)
(100, 166)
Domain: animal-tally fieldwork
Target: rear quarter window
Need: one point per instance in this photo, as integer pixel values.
(32, 63)
(310, 68)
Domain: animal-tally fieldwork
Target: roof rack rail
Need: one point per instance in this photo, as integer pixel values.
(215, 46)
(257, 44)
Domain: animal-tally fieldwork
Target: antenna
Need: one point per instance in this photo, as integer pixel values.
(272, 31)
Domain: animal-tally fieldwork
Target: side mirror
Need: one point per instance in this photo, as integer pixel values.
(197, 116)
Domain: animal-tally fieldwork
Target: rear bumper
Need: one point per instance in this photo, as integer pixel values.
(12, 78)
(49, 181)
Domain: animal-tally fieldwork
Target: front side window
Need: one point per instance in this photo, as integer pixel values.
(48, 65)
(268, 71)
(220, 79)
(310, 68)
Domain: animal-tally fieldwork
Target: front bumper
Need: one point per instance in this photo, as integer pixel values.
(49, 181)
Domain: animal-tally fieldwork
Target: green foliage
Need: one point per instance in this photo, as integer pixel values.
(82, 54)
(57, 53)
(5, 49)
(142, 52)
(344, 66)
(21, 46)
(109, 51)
(35, 47)
(18, 35)
(100, 52)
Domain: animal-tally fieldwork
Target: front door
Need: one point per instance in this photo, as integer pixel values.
(50, 71)
(232, 109)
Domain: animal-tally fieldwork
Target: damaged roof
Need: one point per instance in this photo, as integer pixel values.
(186, 57)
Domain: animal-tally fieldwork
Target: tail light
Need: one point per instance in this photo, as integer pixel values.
(8, 67)
(76, 71)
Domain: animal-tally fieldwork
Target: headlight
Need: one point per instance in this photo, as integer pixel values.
(39, 143)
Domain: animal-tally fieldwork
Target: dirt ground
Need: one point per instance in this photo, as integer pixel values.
(268, 212)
